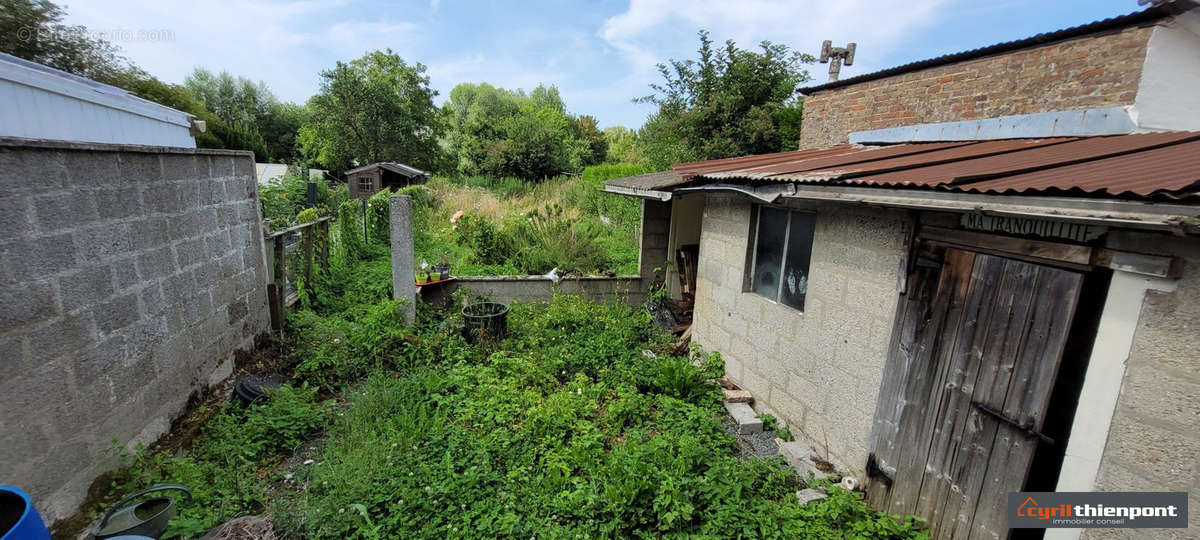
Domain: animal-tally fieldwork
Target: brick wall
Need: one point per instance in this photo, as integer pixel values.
(818, 370)
(1096, 71)
(129, 276)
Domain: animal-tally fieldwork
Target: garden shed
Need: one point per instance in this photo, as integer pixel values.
(370, 179)
(1002, 298)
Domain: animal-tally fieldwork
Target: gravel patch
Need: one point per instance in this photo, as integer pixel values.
(757, 445)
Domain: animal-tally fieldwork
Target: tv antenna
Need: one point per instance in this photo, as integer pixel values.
(834, 56)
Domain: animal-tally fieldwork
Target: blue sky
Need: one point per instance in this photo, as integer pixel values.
(600, 54)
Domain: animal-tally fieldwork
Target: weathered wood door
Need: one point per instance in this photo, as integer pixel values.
(974, 356)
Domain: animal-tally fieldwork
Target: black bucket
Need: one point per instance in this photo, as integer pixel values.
(253, 389)
(488, 319)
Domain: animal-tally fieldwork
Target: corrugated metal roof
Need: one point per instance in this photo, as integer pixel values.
(398, 168)
(650, 181)
(1137, 17)
(1140, 165)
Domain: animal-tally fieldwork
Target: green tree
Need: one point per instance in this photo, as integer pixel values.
(236, 100)
(622, 146)
(279, 129)
(510, 133)
(729, 102)
(595, 144)
(375, 108)
(252, 117)
(33, 30)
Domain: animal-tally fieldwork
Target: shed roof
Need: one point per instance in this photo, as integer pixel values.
(1138, 166)
(398, 168)
(1138, 17)
(649, 181)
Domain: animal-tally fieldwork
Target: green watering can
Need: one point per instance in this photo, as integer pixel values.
(148, 518)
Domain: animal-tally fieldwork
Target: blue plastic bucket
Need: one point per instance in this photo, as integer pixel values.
(19, 520)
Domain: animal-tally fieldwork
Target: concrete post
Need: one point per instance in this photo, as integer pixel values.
(404, 288)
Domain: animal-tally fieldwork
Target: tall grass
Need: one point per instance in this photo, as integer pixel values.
(567, 222)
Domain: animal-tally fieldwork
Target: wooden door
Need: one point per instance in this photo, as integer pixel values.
(974, 356)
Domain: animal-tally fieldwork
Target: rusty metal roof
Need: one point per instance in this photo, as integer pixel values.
(1119, 166)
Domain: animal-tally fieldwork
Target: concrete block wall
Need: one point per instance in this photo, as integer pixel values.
(818, 370)
(654, 239)
(129, 276)
(1154, 440)
(1101, 70)
(628, 289)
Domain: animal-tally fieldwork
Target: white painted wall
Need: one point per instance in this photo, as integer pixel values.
(1102, 384)
(37, 102)
(1169, 93)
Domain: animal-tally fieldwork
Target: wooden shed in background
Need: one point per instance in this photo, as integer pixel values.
(369, 179)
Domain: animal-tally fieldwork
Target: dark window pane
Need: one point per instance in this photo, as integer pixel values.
(768, 250)
(799, 250)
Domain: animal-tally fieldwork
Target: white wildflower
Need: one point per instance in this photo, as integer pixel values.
(308, 462)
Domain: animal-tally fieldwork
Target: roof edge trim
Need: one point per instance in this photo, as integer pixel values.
(639, 193)
(1178, 219)
(1072, 123)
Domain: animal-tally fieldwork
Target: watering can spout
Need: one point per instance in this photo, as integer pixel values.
(148, 518)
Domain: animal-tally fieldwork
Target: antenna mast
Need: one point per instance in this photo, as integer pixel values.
(834, 56)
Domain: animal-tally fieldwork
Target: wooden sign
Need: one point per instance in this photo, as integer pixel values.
(1046, 228)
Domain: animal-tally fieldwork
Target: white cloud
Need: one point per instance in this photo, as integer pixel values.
(285, 43)
(477, 68)
(651, 31)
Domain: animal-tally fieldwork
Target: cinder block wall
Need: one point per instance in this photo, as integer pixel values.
(628, 289)
(1101, 70)
(129, 276)
(652, 244)
(1154, 440)
(818, 370)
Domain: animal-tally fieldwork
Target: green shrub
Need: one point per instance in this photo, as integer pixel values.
(232, 462)
(282, 199)
(567, 430)
(379, 216)
(546, 239)
(488, 244)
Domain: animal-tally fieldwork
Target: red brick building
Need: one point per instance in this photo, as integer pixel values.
(1126, 62)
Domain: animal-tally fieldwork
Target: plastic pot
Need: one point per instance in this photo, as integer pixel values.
(487, 320)
(148, 518)
(19, 520)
